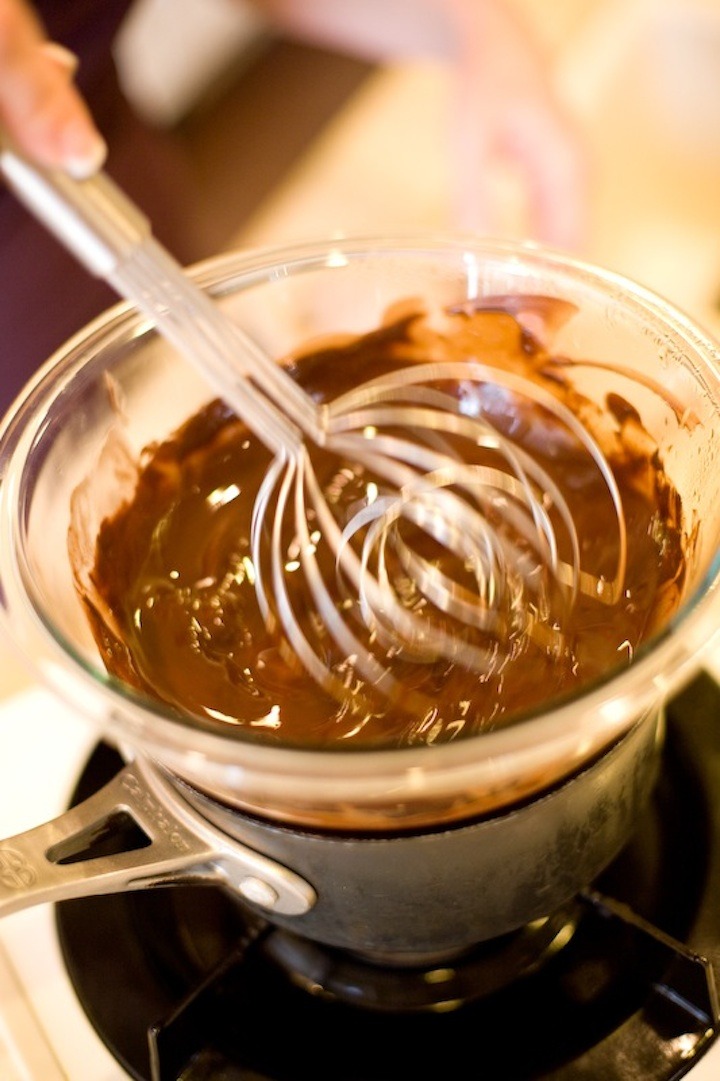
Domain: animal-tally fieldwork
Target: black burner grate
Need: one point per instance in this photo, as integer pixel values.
(182, 988)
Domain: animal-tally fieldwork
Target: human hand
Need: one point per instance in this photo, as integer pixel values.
(505, 121)
(41, 111)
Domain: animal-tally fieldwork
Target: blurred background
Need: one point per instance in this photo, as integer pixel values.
(288, 142)
(291, 141)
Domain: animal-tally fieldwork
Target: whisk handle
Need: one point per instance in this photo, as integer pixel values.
(91, 217)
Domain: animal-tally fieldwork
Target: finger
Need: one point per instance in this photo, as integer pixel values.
(40, 109)
(554, 162)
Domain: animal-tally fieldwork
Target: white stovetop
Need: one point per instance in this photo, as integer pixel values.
(656, 217)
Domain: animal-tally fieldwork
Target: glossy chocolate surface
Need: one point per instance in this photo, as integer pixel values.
(173, 604)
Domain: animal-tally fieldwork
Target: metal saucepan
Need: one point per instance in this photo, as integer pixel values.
(403, 899)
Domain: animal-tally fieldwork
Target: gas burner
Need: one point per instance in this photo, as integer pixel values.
(182, 983)
(436, 986)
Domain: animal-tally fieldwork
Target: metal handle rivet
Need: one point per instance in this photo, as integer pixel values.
(258, 891)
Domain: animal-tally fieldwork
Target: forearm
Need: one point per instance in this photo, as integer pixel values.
(455, 30)
(372, 29)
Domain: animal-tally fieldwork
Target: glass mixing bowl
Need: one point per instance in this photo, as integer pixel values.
(117, 372)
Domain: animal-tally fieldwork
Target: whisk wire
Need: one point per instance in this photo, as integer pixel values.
(491, 519)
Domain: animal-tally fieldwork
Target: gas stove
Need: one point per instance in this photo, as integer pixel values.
(178, 983)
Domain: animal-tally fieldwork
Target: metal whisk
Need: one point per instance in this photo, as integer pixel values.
(468, 518)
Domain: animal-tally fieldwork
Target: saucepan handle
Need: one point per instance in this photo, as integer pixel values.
(167, 844)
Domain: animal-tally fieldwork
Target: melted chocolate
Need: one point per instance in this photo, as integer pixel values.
(172, 573)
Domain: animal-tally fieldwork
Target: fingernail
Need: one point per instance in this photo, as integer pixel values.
(60, 55)
(84, 162)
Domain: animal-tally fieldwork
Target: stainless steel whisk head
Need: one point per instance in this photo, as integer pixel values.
(455, 552)
(462, 542)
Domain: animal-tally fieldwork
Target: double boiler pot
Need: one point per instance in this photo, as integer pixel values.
(402, 853)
